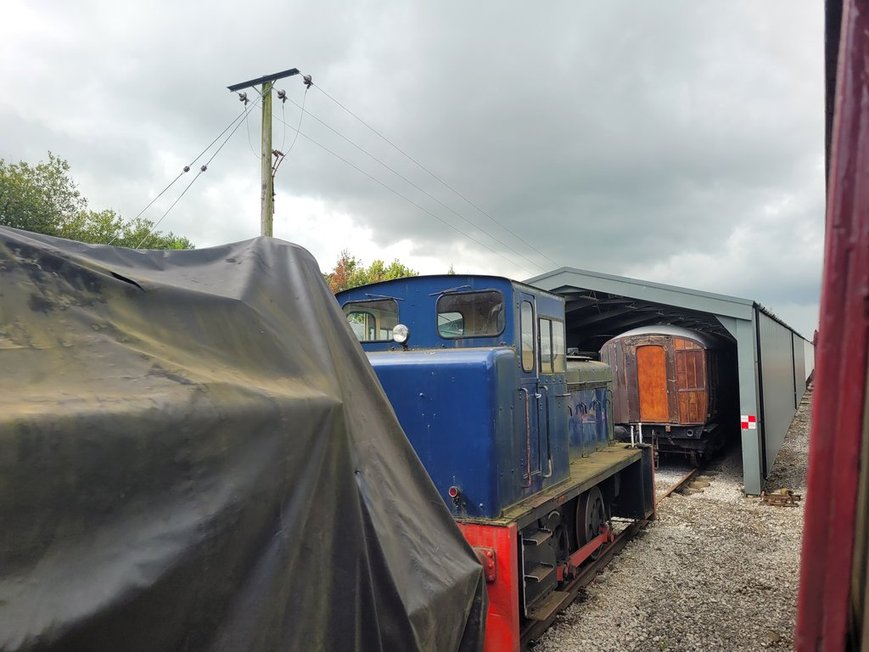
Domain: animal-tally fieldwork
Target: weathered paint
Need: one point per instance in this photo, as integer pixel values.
(502, 617)
(662, 377)
(833, 577)
(479, 419)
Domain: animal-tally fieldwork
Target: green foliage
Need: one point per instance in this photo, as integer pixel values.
(107, 226)
(38, 197)
(43, 198)
(350, 272)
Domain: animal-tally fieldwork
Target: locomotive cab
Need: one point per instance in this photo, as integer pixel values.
(475, 370)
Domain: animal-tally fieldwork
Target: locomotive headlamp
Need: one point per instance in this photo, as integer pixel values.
(400, 333)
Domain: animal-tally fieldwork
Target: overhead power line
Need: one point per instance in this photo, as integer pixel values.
(409, 200)
(416, 186)
(437, 178)
(249, 142)
(203, 168)
(282, 95)
(186, 168)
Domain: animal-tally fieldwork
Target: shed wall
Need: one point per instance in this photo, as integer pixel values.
(799, 355)
(778, 389)
(809, 357)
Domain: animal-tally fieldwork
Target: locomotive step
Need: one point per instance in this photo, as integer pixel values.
(547, 607)
(540, 572)
(537, 539)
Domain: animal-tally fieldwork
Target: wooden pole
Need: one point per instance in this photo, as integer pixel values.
(267, 195)
(267, 203)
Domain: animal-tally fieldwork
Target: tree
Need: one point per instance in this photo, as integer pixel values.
(108, 227)
(38, 197)
(350, 272)
(43, 198)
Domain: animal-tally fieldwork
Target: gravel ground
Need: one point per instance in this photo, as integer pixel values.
(716, 571)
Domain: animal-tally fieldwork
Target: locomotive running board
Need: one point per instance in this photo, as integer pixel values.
(585, 473)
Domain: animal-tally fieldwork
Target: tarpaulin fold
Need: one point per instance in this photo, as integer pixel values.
(196, 455)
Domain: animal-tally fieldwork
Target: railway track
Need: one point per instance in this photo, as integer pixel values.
(681, 482)
(535, 628)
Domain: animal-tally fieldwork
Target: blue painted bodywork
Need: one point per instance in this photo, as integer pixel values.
(477, 420)
(589, 385)
(589, 421)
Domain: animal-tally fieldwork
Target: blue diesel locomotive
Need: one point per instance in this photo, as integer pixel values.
(516, 437)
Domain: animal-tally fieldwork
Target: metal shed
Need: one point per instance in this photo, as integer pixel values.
(773, 361)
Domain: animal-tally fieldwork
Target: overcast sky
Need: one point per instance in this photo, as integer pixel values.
(679, 142)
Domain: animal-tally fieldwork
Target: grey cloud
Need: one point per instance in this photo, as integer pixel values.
(616, 137)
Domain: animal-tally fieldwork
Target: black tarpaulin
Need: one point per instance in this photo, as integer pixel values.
(196, 455)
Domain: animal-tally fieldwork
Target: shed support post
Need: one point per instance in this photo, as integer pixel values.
(752, 439)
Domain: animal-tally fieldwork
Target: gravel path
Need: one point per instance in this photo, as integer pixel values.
(716, 571)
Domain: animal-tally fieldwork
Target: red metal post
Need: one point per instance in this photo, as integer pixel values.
(840, 376)
(502, 620)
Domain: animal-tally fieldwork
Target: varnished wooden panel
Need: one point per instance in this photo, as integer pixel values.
(652, 384)
(691, 385)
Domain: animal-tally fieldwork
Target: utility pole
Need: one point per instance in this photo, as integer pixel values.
(267, 198)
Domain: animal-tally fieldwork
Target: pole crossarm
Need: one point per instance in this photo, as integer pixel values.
(267, 195)
(264, 79)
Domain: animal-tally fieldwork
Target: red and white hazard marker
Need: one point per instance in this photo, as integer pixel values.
(749, 422)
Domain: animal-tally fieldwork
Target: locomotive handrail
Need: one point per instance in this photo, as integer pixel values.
(548, 473)
(527, 437)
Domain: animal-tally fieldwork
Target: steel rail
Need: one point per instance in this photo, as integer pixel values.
(535, 628)
(678, 484)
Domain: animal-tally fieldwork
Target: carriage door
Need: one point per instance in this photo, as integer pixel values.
(529, 392)
(652, 384)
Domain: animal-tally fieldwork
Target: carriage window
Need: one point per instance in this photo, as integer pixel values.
(471, 314)
(545, 346)
(526, 329)
(372, 321)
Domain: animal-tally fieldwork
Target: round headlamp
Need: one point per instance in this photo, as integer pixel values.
(400, 333)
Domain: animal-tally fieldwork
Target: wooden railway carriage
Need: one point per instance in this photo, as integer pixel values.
(666, 379)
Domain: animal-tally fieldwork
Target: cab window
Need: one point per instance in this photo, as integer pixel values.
(545, 330)
(470, 314)
(552, 347)
(372, 321)
(559, 348)
(526, 330)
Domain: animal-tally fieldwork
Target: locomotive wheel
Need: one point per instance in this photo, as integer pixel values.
(590, 516)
